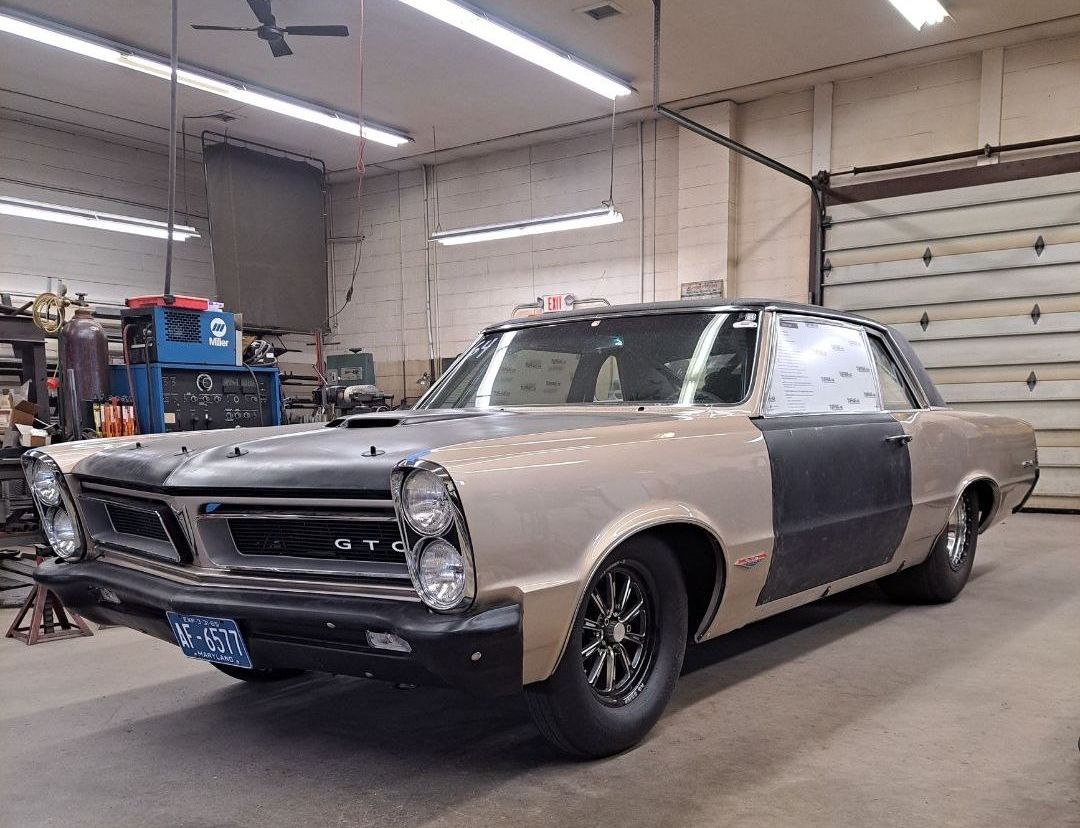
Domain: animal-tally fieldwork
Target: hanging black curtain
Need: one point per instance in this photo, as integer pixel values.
(268, 236)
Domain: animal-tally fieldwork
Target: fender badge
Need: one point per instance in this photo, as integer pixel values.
(750, 561)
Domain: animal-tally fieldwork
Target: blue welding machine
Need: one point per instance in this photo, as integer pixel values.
(180, 397)
(180, 336)
(185, 366)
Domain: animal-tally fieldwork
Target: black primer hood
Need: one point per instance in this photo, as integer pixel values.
(333, 459)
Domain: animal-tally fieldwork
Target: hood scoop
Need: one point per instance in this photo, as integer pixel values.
(406, 418)
(365, 422)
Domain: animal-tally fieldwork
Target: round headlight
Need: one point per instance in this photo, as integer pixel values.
(45, 483)
(62, 532)
(441, 575)
(426, 503)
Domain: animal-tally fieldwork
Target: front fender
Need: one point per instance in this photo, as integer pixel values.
(542, 518)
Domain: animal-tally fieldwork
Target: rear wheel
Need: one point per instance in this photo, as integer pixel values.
(258, 675)
(942, 576)
(623, 657)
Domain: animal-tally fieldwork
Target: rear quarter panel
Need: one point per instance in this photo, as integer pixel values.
(952, 448)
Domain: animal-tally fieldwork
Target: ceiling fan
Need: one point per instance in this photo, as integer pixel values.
(274, 34)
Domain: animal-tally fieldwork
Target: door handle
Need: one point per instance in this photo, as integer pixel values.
(899, 439)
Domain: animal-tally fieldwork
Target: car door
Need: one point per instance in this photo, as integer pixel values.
(841, 471)
(939, 450)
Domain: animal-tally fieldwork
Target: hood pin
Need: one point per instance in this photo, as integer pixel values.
(372, 452)
(236, 452)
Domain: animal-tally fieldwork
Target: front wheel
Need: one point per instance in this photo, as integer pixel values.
(624, 655)
(942, 576)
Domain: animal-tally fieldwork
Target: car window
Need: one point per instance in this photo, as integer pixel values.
(534, 377)
(895, 394)
(660, 358)
(820, 367)
(608, 388)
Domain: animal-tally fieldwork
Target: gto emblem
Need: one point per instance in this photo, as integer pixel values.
(346, 544)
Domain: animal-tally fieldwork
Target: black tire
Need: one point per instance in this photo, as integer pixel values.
(591, 721)
(942, 576)
(259, 675)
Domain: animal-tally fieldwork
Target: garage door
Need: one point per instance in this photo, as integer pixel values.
(985, 282)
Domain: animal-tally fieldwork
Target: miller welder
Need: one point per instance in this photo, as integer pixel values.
(186, 368)
(179, 335)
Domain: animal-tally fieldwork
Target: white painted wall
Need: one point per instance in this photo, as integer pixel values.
(773, 210)
(714, 216)
(691, 210)
(924, 110)
(1041, 90)
(473, 285)
(45, 162)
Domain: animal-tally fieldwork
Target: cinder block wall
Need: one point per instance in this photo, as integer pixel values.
(705, 214)
(692, 211)
(43, 161)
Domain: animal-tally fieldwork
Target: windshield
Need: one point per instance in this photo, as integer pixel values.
(662, 358)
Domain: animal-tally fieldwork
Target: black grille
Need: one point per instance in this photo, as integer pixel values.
(182, 327)
(326, 538)
(139, 522)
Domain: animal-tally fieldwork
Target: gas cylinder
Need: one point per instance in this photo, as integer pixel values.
(84, 362)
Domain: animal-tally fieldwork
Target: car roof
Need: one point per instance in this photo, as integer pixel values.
(647, 308)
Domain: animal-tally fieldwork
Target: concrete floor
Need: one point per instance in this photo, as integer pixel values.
(851, 711)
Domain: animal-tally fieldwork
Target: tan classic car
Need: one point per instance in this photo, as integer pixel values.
(578, 498)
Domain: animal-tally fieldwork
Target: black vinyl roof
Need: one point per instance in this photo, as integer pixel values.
(647, 308)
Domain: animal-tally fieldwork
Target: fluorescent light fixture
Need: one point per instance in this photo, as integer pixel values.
(530, 227)
(921, 13)
(121, 55)
(23, 208)
(482, 25)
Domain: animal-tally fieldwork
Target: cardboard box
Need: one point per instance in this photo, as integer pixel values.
(24, 413)
(14, 420)
(31, 437)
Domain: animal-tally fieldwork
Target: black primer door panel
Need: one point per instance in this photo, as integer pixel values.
(841, 497)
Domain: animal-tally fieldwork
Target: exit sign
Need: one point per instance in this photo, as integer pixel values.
(554, 302)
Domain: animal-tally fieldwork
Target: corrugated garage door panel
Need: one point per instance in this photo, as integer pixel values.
(1005, 373)
(973, 310)
(985, 282)
(957, 245)
(999, 350)
(1059, 211)
(941, 263)
(925, 291)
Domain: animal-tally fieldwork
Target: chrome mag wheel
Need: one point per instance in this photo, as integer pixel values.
(956, 535)
(618, 636)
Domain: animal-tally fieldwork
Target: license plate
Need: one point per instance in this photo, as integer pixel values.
(210, 639)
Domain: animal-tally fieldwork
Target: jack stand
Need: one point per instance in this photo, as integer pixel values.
(49, 621)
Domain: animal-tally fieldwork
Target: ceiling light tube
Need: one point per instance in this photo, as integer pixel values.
(921, 13)
(121, 55)
(23, 208)
(482, 25)
(529, 227)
